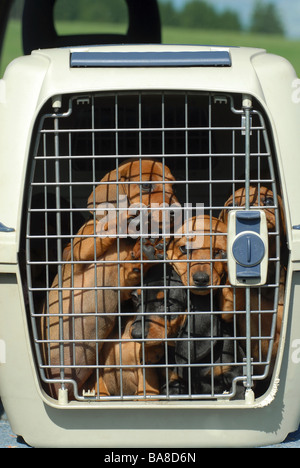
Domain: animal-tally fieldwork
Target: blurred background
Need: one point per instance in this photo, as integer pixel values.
(270, 24)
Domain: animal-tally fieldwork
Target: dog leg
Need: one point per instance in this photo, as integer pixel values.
(97, 389)
(227, 304)
(176, 385)
(231, 300)
(83, 326)
(89, 246)
(149, 385)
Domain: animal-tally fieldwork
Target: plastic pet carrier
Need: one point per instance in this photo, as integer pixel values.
(149, 247)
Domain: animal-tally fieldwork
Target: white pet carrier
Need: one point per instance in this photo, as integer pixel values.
(149, 247)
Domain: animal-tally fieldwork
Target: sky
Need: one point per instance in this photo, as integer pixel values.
(289, 9)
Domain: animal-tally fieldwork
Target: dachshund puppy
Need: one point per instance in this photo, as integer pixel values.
(145, 181)
(206, 342)
(133, 184)
(161, 310)
(162, 313)
(233, 299)
(160, 307)
(122, 353)
(82, 308)
(198, 251)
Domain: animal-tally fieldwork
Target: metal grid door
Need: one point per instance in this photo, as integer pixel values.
(126, 274)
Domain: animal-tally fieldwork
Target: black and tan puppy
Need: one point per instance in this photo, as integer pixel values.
(200, 337)
(161, 310)
(207, 357)
(160, 306)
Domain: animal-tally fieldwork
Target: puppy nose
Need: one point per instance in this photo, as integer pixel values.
(201, 278)
(136, 330)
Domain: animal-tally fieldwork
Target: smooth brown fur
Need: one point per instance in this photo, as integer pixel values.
(156, 193)
(73, 314)
(132, 380)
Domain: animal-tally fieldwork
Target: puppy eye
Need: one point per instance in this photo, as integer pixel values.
(136, 270)
(269, 201)
(220, 254)
(183, 249)
(147, 187)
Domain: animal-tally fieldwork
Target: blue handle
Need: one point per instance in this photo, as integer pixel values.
(4, 228)
(151, 59)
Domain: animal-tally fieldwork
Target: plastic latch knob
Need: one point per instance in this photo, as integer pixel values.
(247, 248)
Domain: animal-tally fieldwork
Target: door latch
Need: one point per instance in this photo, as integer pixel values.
(247, 248)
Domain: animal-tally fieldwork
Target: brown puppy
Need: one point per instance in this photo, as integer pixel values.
(198, 251)
(136, 380)
(261, 322)
(135, 183)
(79, 311)
(141, 181)
(263, 299)
(150, 325)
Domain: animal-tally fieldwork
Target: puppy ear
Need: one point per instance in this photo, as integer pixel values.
(222, 216)
(168, 174)
(107, 192)
(170, 250)
(125, 171)
(67, 253)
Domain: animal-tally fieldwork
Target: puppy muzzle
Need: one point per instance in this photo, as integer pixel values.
(200, 279)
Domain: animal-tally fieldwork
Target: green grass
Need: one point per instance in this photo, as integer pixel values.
(12, 45)
(290, 49)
